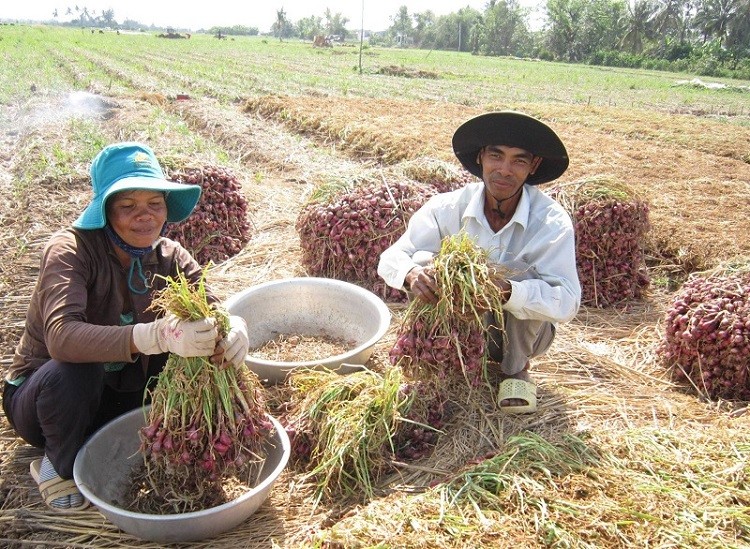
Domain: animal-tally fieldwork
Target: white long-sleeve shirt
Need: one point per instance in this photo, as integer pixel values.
(540, 235)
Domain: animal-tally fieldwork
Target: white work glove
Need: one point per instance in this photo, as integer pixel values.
(181, 337)
(236, 342)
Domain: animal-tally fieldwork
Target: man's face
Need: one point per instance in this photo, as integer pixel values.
(505, 169)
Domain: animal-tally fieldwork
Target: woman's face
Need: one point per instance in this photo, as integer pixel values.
(137, 216)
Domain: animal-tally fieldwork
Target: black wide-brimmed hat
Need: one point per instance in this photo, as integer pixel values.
(512, 129)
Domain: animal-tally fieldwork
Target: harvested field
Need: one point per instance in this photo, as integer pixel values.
(617, 454)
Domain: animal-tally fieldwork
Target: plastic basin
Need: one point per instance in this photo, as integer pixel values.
(310, 306)
(102, 472)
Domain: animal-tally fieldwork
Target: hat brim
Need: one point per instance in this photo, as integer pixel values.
(181, 199)
(513, 129)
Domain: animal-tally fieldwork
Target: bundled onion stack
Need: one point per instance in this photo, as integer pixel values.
(343, 234)
(610, 223)
(707, 332)
(206, 421)
(219, 227)
(344, 228)
(450, 336)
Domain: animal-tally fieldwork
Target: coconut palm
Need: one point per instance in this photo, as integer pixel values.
(738, 37)
(638, 28)
(714, 17)
(565, 19)
(670, 18)
(281, 23)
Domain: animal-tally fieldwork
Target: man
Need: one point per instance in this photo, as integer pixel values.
(524, 231)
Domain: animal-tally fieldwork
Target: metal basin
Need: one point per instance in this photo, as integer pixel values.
(311, 306)
(102, 472)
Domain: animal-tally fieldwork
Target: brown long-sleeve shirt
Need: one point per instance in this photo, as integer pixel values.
(81, 291)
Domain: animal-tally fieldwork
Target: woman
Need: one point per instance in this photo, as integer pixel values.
(90, 343)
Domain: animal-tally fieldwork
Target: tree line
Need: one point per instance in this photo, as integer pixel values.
(706, 37)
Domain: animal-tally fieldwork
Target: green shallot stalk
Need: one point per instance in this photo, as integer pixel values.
(206, 421)
(344, 427)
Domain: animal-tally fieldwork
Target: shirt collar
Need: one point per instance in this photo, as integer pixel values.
(475, 208)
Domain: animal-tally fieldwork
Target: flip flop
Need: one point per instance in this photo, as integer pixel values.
(517, 389)
(54, 488)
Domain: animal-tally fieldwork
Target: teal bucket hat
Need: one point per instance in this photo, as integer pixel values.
(133, 166)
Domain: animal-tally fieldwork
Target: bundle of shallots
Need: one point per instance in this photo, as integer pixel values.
(707, 332)
(342, 234)
(219, 227)
(450, 336)
(610, 222)
(345, 430)
(206, 421)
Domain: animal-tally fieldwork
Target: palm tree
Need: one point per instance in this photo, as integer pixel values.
(738, 37)
(281, 23)
(669, 18)
(714, 18)
(565, 18)
(638, 28)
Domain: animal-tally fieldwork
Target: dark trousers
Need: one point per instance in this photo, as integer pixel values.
(60, 405)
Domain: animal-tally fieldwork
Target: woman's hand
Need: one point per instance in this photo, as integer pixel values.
(235, 345)
(170, 334)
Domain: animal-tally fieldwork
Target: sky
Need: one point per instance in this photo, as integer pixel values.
(194, 15)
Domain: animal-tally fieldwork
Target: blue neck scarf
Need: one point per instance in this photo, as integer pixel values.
(136, 267)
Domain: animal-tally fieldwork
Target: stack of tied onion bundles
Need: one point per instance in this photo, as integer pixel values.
(206, 424)
(218, 228)
(707, 332)
(345, 226)
(610, 222)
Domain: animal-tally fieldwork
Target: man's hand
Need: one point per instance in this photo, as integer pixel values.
(498, 275)
(421, 282)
